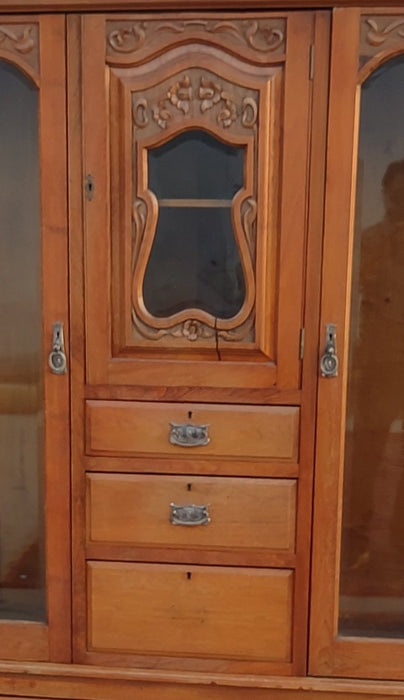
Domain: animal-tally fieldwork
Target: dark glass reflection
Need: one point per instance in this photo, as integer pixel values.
(195, 165)
(372, 563)
(22, 559)
(195, 261)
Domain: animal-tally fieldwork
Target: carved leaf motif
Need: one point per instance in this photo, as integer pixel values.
(263, 37)
(241, 332)
(139, 213)
(22, 41)
(139, 112)
(228, 114)
(249, 114)
(377, 37)
(249, 216)
(211, 94)
(128, 39)
(180, 94)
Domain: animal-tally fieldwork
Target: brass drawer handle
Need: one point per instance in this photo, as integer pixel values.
(189, 515)
(188, 434)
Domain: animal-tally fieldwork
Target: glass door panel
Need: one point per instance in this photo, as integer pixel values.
(357, 613)
(34, 402)
(372, 561)
(22, 555)
(194, 260)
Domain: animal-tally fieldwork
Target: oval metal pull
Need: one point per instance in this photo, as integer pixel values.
(189, 515)
(329, 360)
(57, 358)
(188, 434)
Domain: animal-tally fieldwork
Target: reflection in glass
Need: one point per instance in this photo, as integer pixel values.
(194, 260)
(195, 165)
(372, 559)
(22, 593)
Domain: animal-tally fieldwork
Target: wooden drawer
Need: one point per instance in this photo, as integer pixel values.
(245, 514)
(196, 611)
(246, 432)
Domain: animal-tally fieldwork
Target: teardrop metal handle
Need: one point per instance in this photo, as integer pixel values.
(188, 434)
(329, 359)
(57, 358)
(189, 515)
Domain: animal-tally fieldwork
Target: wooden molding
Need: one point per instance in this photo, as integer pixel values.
(135, 5)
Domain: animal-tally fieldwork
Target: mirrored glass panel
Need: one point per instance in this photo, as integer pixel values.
(22, 567)
(372, 560)
(195, 261)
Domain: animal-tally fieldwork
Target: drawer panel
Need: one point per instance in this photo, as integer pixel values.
(129, 428)
(244, 513)
(213, 612)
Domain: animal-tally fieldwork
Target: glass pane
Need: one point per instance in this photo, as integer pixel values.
(372, 564)
(22, 592)
(194, 261)
(195, 165)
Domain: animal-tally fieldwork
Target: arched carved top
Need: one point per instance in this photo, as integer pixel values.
(21, 42)
(261, 40)
(196, 98)
(381, 35)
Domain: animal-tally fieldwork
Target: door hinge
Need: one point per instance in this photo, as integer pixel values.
(301, 344)
(311, 62)
(89, 187)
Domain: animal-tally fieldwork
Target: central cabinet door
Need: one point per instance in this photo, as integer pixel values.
(195, 137)
(195, 142)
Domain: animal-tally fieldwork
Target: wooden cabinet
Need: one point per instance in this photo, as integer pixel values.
(195, 233)
(191, 219)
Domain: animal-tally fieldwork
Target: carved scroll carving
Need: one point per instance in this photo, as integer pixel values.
(377, 36)
(194, 94)
(260, 37)
(22, 40)
(129, 38)
(139, 213)
(249, 216)
(191, 330)
(380, 33)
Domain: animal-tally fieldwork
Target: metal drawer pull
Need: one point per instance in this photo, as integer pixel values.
(189, 515)
(188, 435)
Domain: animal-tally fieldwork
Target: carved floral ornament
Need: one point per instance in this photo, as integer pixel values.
(203, 95)
(260, 35)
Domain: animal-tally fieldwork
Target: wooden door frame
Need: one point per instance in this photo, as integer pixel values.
(331, 654)
(50, 641)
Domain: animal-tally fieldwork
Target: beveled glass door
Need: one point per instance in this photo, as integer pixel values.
(34, 409)
(360, 460)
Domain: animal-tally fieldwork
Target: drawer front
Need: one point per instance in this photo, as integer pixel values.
(128, 428)
(192, 611)
(244, 513)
